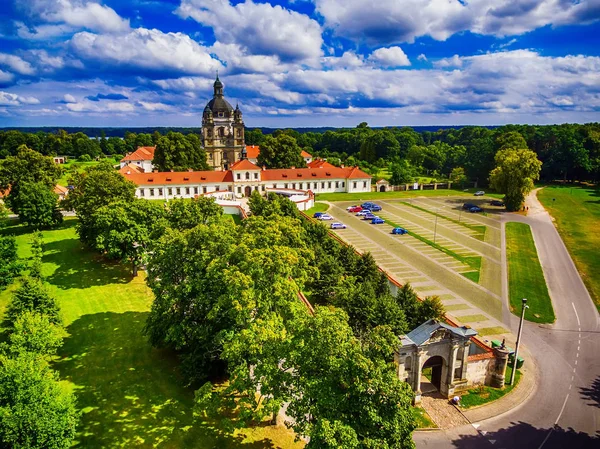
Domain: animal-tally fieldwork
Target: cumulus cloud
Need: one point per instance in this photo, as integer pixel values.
(116, 107)
(148, 49)
(263, 29)
(68, 98)
(6, 78)
(78, 14)
(393, 21)
(237, 58)
(9, 99)
(347, 60)
(422, 57)
(390, 57)
(16, 64)
(454, 61)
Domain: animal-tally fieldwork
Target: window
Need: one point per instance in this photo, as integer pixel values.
(203, 189)
(337, 184)
(343, 184)
(151, 192)
(229, 189)
(170, 191)
(247, 175)
(364, 183)
(178, 191)
(221, 130)
(329, 185)
(210, 155)
(294, 186)
(141, 192)
(160, 192)
(285, 186)
(322, 185)
(239, 190)
(196, 190)
(187, 190)
(263, 188)
(255, 175)
(354, 184)
(221, 115)
(314, 185)
(237, 176)
(217, 188)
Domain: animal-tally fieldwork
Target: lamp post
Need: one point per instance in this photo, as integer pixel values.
(515, 360)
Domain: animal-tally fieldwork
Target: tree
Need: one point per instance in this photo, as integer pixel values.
(37, 205)
(27, 166)
(32, 296)
(35, 333)
(186, 214)
(402, 173)
(280, 152)
(179, 153)
(9, 261)
(457, 176)
(36, 412)
(511, 139)
(417, 311)
(99, 186)
(514, 175)
(37, 252)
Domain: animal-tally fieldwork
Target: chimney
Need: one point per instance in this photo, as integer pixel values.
(293, 168)
(155, 171)
(264, 167)
(342, 165)
(172, 170)
(190, 170)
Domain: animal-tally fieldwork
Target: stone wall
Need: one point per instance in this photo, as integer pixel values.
(480, 369)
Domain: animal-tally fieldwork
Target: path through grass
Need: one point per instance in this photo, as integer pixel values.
(525, 275)
(131, 394)
(577, 214)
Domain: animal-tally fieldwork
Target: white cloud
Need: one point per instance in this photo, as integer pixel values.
(393, 21)
(8, 99)
(16, 64)
(46, 62)
(105, 107)
(6, 77)
(390, 57)
(237, 58)
(263, 29)
(79, 14)
(422, 57)
(68, 98)
(347, 60)
(149, 106)
(454, 61)
(42, 32)
(149, 49)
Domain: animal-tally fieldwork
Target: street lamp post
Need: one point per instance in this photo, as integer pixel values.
(516, 359)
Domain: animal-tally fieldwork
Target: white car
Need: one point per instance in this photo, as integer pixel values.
(325, 217)
(479, 193)
(337, 225)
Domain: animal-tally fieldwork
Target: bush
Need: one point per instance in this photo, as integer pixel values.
(32, 296)
(84, 158)
(35, 333)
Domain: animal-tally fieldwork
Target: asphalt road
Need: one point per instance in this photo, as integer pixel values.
(564, 411)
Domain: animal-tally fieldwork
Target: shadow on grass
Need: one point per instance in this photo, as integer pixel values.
(78, 267)
(131, 394)
(524, 435)
(592, 393)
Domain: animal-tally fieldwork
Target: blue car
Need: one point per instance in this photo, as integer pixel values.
(375, 208)
(367, 205)
(399, 231)
(369, 216)
(377, 220)
(475, 209)
(318, 214)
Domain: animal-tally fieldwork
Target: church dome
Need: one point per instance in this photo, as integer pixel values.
(218, 105)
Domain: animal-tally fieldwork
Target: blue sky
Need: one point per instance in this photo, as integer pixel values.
(299, 62)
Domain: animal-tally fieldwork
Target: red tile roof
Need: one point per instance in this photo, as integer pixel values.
(141, 154)
(130, 168)
(244, 164)
(319, 163)
(58, 189)
(168, 178)
(306, 174)
(305, 154)
(252, 151)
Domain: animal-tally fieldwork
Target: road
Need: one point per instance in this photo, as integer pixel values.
(564, 411)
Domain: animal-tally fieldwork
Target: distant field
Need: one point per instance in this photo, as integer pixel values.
(525, 275)
(391, 195)
(72, 165)
(577, 214)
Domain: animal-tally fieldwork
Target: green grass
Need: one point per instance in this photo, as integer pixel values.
(318, 207)
(74, 165)
(472, 318)
(480, 229)
(577, 214)
(422, 419)
(131, 394)
(525, 275)
(496, 330)
(474, 262)
(454, 307)
(360, 196)
(483, 395)
(235, 217)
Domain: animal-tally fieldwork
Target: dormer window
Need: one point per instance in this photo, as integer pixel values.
(168, 179)
(221, 114)
(185, 178)
(299, 175)
(284, 175)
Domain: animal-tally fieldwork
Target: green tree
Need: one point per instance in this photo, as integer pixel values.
(402, 173)
(186, 214)
(457, 176)
(36, 412)
(280, 152)
(37, 252)
(9, 261)
(98, 187)
(515, 173)
(511, 139)
(179, 153)
(32, 296)
(37, 205)
(35, 333)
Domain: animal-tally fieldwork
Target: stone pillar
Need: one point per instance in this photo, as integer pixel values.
(451, 366)
(449, 185)
(435, 186)
(420, 186)
(500, 368)
(463, 371)
(417, 373)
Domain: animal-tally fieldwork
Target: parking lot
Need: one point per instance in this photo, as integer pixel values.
(448, 252)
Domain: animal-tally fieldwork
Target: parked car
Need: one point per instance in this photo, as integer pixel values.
(479, 193)
(349, 208)
(367, 205)
(375, 208)
(318, 214)
(337, 225)
(399, 231)
(377, 220)
(355, 209)
(497, 203)
(475, 209)
(363, 212)
(369, 216)
(468, 206)
(325, 217)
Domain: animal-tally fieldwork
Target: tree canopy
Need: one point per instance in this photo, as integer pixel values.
(282, 151)
(37, 205)
(179, 152)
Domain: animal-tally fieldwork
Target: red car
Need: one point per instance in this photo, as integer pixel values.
(355, 209)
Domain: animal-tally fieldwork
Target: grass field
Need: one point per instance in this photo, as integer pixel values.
(577, 214)
(483, 395)
(525, 275)
(360, 196)
(74, 165)
(131, 394)
(318, 207)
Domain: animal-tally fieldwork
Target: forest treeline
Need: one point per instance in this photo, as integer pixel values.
(567, 151)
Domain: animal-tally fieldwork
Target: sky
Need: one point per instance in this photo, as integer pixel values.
(299, 63)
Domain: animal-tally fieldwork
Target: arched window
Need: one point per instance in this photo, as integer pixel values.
(247, 175)
(221, 132)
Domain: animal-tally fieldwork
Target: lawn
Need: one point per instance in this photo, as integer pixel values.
(131, 394)
(483, 395)
(318, 207)
(577, 214)
(74, 165)
(422, 419)
(360, 196)
(525, 275)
